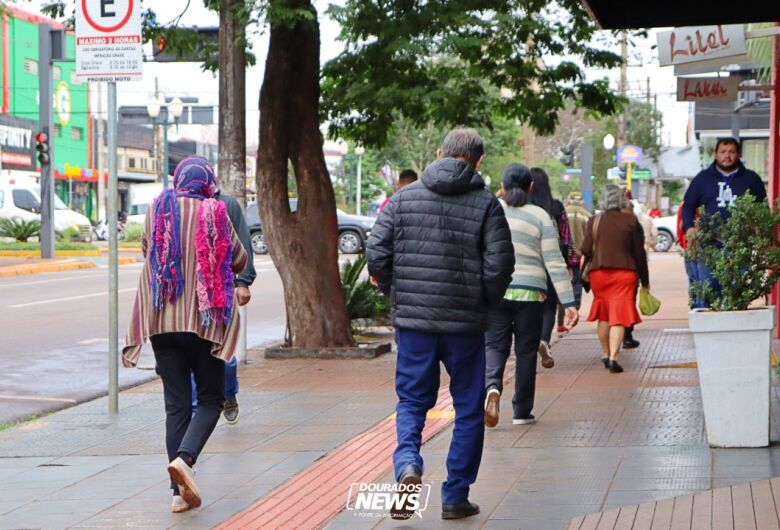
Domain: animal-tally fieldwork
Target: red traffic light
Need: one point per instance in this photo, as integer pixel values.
(41, 138)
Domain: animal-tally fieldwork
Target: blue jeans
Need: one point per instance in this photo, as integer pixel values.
(700, 273)
(417, 385)
(231, 383)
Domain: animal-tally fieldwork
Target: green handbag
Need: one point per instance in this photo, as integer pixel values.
(648, 304)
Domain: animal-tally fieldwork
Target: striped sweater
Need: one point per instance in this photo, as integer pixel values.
(537, 252)
(182, 316)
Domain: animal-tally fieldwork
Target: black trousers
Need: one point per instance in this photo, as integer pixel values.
(523, 321)
(178, 355)
(550, 306)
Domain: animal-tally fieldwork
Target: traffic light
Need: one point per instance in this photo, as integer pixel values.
(42, 146)
(567, 155)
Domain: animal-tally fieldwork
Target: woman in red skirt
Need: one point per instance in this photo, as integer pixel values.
(614, 246)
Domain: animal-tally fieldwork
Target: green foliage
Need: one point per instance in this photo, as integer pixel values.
(19, 229)
(760, 53)
(133, 233)
(67, 235)
(743, 254)
(642, 125)
(57, 246)
(365, 302)
(445, 62)
(674, 189)
(414, 147)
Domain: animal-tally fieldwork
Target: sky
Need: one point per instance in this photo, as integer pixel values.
(187, 79)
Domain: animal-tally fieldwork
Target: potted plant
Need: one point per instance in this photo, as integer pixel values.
(733, 341)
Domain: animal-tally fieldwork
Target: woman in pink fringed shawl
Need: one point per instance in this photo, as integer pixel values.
(186, 306)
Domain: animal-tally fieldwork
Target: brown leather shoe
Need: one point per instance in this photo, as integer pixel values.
(492, 402)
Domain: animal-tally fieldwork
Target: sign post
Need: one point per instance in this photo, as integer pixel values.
(630, 155)
(108, 48)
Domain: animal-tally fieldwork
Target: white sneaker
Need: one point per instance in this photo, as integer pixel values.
(184, 477)
(524, 421)
(546, 355)
(491, 407)
(179, 505)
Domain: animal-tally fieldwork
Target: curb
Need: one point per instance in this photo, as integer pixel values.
(56, 266)
(134, 250)
(35, 253)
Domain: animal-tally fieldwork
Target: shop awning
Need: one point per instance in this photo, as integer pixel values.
(615, 14)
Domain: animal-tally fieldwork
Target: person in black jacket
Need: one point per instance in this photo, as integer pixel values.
(242, 283)
(442, 250)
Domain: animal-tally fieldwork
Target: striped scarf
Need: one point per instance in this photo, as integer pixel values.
(194, 178)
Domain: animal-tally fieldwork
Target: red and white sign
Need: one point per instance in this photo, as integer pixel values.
(707, 88)
(693, 44)
(108, 40)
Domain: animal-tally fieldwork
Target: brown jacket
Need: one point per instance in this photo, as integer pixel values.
(621, 244)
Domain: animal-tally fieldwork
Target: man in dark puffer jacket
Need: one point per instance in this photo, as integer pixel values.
(443, 252)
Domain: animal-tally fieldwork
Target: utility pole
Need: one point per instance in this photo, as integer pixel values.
(623, 86)
(159, 138)
(46, 127)
(647, 90)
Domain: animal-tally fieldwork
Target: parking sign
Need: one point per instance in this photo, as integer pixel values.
(108, 40)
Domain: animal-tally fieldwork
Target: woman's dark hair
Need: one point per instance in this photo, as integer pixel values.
(517, 182)
(542, 196)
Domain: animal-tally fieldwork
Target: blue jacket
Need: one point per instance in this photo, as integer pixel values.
(708, 189)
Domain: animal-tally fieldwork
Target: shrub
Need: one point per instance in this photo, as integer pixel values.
(743, 254)
(19, 229)
(133, 233)
(365, 302)
(68, 234)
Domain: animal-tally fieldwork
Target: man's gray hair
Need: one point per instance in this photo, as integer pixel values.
(613, 198)
(463, 142)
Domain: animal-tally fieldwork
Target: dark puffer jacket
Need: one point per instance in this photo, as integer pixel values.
(442, 249)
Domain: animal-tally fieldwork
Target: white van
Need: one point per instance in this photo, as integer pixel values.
(21, 197)
(141, 198)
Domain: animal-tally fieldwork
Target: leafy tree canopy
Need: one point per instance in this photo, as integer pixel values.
(445, 62)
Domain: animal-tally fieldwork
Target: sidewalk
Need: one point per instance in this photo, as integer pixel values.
(602, 441)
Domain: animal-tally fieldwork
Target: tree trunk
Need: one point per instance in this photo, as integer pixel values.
(231, 166)
(303, 245)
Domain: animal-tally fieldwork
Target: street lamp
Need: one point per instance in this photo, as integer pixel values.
(176, 109)
(359, 150)
(608, 142)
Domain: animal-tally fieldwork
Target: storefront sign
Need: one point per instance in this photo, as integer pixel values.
(17, 149)
(629, 153)
(692, 44)
(707, 88)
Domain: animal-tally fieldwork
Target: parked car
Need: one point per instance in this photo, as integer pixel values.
(667, 232)
(20, 197)
(353, 229)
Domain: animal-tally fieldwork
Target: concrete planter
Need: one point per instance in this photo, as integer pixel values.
(733, 351)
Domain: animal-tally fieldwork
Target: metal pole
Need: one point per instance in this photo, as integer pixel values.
(359, 182)
(629, 175)
(165, 154)
(586, 185)
(46, 118)
(100, 159)
(241, 353)
(113, 269)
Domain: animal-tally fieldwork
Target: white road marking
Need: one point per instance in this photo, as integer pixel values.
(37, 398)
(68, 298)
